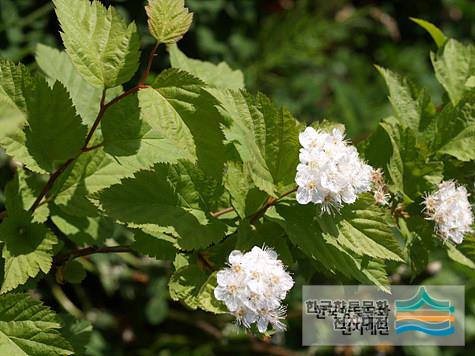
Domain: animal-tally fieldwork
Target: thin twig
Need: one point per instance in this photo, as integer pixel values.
(209, 329)
(288, 193)
(205, 262)
(103, 107)
(102, 110)
(92, 148)
(123, 95)
(201, 324)
(217, 214)
(268, 203)
(53, 177)
(262, 210)
(149, 63)
(271, 201)
(86, 251)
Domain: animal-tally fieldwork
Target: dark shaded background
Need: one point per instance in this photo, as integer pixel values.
(316, 58)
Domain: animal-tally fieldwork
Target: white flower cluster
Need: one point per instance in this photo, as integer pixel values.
(449, 208)
(253, 287)
(330, 171)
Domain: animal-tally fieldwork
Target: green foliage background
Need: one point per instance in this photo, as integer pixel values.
(314, 57)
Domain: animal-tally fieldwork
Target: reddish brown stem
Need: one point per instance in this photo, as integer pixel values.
(205, 262)
(92, 148)
(3, 215)
(50, 183)
(97, 121)
(288, 193)
(123, 95)
(217, 214)
(149, 63)
(259, 213)
(103, 107)
(269, 202)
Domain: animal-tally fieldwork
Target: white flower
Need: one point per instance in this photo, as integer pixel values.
(253, 287)
(449, 208)
(330, 172)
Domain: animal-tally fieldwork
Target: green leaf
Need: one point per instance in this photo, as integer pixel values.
(219, 76)
(13, 79)
(195, 188)
(90, 173)
(156, 309)
(302, 227)
(11, 119)
(138, 137)
(262, 233)
(151, 198)
(206, 299)
(410, 170)
(455, 126)
(55, 132)
(418, 242)
(58, 67)
(197, 109)
(21, 192)
(195, 288)
(158, 245)
(74, 272)
(281, 147)
(175, 79)
(412, 106)
(470, 83)
(12, 101)
(27, 250)
(14, 145)
(83, 230)
(168, 20)
(238, 183)
(462, 146)
(454, 64)
(246, 134)
(395, 164)
(185, 284)
(28, 328)
(434, 31)
(368, 270)
(453, 119)
(457, 256)
(378, 148)
(468, 246)
(78, 332)
(12, 82)
(100, 44)
(365, 229)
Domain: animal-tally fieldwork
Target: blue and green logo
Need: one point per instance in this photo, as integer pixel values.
(425, 314)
